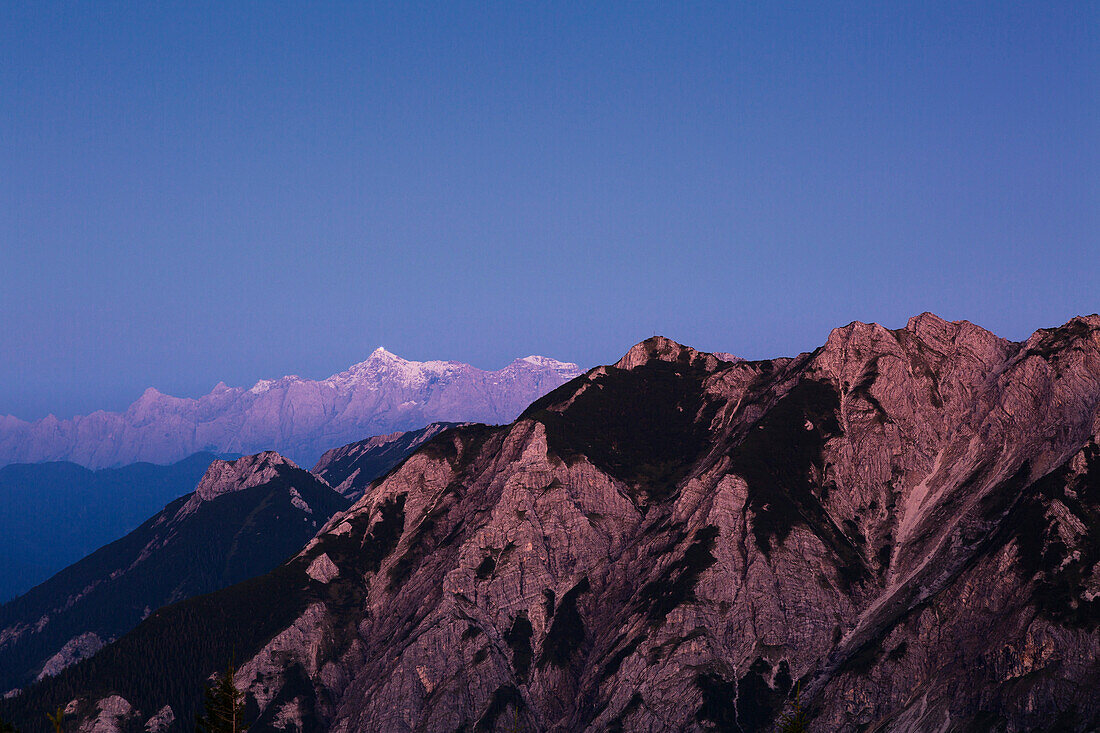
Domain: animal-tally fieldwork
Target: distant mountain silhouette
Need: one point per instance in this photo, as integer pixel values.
(244, 518)
(298, 417)
(53, 514)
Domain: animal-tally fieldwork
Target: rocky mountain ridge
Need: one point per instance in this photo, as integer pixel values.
(298, 417)
(53, 514)
(899, 528)
(244, 518)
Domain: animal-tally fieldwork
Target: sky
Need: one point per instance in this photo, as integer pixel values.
(193, 192)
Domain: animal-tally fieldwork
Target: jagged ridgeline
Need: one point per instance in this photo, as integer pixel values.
(901, 526)
(298, 417)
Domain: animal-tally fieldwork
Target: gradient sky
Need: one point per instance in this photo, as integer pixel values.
(191, 192)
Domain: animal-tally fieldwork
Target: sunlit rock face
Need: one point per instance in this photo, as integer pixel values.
(900, 528)
(298, 417)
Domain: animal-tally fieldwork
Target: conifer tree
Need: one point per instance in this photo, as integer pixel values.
(224, 707)
(6, 727)
(796, 721)
(58, 720)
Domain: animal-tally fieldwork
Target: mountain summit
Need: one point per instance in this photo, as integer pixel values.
(298, 417)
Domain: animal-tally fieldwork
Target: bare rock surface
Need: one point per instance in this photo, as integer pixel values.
(298, 417)
(899, 528)
(112, 716)
(79, 647)
(161, 721)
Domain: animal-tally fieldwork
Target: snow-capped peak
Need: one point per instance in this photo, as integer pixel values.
(385, 366)
(545, 362)
(381, 353)
(262, 386)
(265, 385)
(381, 394)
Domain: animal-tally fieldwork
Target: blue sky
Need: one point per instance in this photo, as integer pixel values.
(193, 192)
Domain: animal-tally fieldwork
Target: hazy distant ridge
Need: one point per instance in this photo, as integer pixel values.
(300, 418)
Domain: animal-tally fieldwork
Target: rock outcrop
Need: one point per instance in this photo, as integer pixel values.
(77, 648)
(298, 417)
(898, 529)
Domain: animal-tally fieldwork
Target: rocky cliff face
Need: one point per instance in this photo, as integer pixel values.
(244, 518)
(900, 529)
(298, 417)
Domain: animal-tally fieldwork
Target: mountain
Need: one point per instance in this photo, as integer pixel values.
(899, 529)
(351, 468)
(53, 514)
(298, 417)
(243, 519)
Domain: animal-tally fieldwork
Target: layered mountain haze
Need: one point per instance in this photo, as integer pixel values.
(899, 528)
(243, 519)
(298, 417)
(53, 514)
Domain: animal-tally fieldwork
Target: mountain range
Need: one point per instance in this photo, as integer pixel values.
(297, 417)
(53, 514)
(897, 532)
(242, 519)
